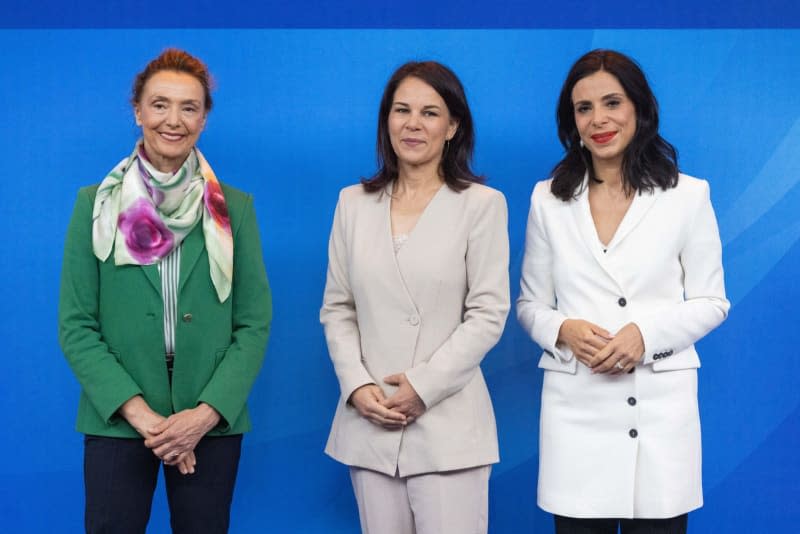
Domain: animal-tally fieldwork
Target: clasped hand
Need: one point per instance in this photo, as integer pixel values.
(402, 408)
(173, 438)
(600, 350)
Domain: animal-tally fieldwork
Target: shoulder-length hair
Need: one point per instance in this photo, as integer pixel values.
(649, 161)
(457, 156)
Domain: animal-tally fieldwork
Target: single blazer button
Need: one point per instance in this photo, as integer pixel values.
(187, 317)
(632, 401)
(413, 320)
(622, 302)
(633, 433)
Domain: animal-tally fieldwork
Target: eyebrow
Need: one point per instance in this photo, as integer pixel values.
(604, 97)
(157, 98)
(429, 106)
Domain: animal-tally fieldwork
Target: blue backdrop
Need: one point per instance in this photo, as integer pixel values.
(294, 121)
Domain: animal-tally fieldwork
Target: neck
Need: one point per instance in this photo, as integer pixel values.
(162, 164)
(610, 173)
(415, 180)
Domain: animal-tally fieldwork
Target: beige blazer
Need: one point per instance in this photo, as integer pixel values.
(432, 311)
(625, 445)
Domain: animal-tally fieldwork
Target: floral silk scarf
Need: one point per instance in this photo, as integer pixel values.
(144, 214)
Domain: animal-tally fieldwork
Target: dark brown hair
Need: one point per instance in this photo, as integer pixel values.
(649, 161)
(175, 60)
(455, 165)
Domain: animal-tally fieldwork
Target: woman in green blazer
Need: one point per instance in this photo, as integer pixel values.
(164, 316)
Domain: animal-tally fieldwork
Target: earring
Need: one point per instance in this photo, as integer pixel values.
(581, 143)
(446, 145)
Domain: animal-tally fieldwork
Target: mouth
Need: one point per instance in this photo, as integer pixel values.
(603, 138)
(171, 137)
(412, 142)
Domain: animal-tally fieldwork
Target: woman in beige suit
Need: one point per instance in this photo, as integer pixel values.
(416, 295)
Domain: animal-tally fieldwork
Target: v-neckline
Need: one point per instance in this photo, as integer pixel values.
(419, 220)
(614, 234)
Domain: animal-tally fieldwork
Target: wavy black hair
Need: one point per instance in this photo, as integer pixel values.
(649, 161)
(457, 157)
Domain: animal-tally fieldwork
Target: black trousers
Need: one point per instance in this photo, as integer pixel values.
(120, 477)
(573, 525)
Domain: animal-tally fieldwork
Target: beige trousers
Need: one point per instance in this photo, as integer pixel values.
(452, 502)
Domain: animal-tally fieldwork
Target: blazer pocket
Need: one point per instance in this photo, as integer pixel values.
(552, 364)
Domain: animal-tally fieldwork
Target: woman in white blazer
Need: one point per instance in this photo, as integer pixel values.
(622, 275)
(416, 295)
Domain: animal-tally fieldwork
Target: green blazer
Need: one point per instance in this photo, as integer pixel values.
(111, 326)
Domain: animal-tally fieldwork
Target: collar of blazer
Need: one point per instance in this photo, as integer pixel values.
(642, 202)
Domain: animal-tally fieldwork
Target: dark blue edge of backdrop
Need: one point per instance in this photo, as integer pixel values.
(386, 14)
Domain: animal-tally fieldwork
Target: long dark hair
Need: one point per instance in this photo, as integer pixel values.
(649, 161)
(455, 165)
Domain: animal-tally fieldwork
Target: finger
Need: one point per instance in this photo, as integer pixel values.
(384, 422)
(597, 343)
(164, 451)
(377, 394)
(389, 414)
(156, 441)
(602, 361)
(186, 465)
(607, 365)
(602, 332)
(392, 380)
(160, 427)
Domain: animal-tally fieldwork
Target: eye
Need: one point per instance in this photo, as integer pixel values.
(400, 110)
(160, 106)
(430, 113)
(189, 109)
(614, 102)
(582, 108)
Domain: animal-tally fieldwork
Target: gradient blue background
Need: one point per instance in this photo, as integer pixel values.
(294, 121)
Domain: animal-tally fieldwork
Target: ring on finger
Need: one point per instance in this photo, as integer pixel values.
(619, 365)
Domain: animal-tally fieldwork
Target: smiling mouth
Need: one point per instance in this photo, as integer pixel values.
(603, 138)
(170, 136)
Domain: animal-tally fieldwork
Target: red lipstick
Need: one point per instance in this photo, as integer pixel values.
(603, 138)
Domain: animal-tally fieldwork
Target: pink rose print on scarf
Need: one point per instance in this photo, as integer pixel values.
(215, 204)
(146, 236)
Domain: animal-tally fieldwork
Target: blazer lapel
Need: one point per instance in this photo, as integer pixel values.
(191, 248)
(151, 272)
(582, 215)
(642, 202)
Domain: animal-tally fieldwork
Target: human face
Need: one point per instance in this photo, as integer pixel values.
(604, 116)
(172, 115)
(419, 123)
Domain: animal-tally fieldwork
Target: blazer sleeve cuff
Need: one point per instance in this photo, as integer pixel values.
(654, 349)
(550, 346)
(426, 385)
(352, 379)
(108, 408)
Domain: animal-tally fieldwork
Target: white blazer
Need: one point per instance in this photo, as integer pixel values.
(433, 311)
(623, 446)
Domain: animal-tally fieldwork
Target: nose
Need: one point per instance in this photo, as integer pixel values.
(599, 117)
(413, 121)
(173, 117)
